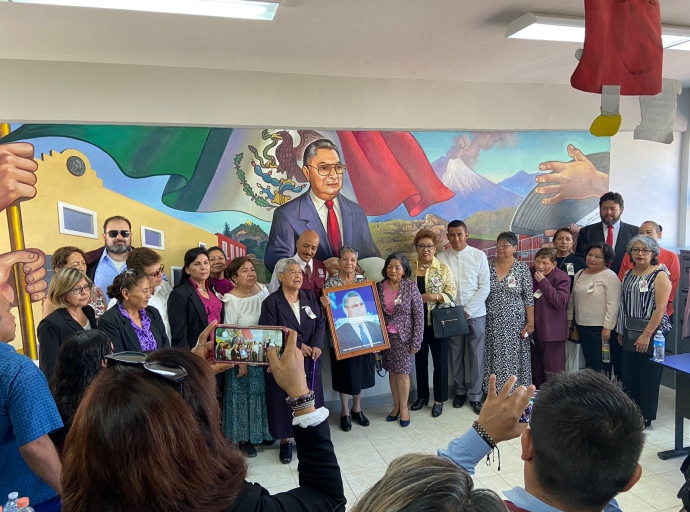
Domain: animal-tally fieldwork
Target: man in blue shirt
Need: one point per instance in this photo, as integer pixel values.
(105, 263)
(581, 449)
(29, 463)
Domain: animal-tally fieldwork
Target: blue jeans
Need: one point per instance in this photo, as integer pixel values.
(52, 505)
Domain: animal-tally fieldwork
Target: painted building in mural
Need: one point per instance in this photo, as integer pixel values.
(249, 191)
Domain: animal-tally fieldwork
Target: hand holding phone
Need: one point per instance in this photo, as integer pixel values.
(250, 345)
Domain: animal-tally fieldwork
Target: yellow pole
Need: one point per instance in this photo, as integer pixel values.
(16, 233)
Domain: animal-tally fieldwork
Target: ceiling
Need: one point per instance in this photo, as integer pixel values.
(413, 39)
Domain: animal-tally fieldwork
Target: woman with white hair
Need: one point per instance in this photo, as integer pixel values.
(644, 294)
(292, 307)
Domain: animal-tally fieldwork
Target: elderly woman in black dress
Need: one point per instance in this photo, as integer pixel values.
(298, 309)
(349, 376)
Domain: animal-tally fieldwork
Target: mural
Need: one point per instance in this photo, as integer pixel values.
(250, 192)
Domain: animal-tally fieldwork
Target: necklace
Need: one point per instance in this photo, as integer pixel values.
(424, 266)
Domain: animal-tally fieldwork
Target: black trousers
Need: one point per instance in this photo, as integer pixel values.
(641, 380)
(590, 339)
(439, 356)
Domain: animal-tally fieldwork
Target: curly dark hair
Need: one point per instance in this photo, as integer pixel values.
(78, 362)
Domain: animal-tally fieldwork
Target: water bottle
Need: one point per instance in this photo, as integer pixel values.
(605, 351)
(11, 505)
(659, 347)
(23, 505)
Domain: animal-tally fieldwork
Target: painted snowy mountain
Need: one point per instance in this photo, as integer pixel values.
(520, 183)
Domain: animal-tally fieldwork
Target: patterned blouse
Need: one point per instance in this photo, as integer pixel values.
(438, 279)
(146, 338)
(636, 303)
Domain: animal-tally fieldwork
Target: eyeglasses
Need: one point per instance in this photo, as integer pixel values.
(503, 246)
(123, 233)
(171, 372)
(157, 272)
(81, 289)
(421, 247)
(635, 250)
(326, 169)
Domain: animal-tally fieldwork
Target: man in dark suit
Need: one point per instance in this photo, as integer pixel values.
(336, 220)
(356, 331)
(611, 229)
(617, 234)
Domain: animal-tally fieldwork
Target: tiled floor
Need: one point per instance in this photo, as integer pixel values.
(364, 453)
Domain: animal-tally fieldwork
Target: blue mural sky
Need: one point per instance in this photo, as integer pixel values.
(525, 151)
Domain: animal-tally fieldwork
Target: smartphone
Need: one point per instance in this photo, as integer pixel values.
(527, 414)
(236, 344)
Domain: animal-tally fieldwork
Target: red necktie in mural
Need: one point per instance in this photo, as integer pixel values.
(333, 229)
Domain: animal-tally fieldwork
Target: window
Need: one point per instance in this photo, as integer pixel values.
(202, 245)
(175, 274)
(152, 238)
(77, 221)
(225, 248)
(232, 252)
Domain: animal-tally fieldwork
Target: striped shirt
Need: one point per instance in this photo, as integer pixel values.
(637, 303)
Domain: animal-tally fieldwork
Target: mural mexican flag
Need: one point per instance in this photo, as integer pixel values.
(216, 169)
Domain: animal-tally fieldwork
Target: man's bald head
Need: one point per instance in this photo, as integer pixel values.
(307, 245)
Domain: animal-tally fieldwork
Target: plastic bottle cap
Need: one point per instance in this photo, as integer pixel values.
(13, 495)
(23, 502)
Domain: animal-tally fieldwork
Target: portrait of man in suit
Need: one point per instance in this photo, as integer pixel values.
(357, 330)
(337, 220)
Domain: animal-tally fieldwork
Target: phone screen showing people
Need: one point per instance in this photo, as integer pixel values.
(234, 344)
(527, 414)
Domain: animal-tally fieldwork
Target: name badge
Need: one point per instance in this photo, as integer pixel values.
(644, 286)
(570, 268)
(590, 288)
(512, 283)
(321, 273)
(309, 312)
(223, 298)
(397, 301)
(538, 294)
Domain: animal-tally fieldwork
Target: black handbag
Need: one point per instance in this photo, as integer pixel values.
(633, 329)
(448, 321)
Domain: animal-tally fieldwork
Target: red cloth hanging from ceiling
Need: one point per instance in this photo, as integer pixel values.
(622, 47)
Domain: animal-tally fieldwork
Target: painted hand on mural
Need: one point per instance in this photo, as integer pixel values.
(578, 179)
(33, 264)
(17, 173)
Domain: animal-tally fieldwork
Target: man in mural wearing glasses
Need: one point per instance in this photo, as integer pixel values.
(104, 264)
(338, 221)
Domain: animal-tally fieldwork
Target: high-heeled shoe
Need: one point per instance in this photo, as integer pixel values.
(390, 417)
(647, 423)
(419, 404)
(437, 410)
(404, 423)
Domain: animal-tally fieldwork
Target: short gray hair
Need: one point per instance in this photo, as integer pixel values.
(282, 265)
(648, 242)
(345, 249)
(311, 149)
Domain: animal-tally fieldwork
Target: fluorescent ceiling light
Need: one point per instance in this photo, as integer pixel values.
(247, 9)
(571, 29)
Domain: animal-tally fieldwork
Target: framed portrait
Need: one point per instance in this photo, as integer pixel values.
(356, 320)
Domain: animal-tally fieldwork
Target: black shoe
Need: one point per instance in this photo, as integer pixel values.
(285, 452)
(390, 417)
(360, 418)
(248, 449)
(476, 407)
(345, 423)
(419, 404)
(266, 442)
(459, 401)
(437, 410)
(647, 423)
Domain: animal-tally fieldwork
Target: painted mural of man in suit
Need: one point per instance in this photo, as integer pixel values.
(356, 331)
(337, 220)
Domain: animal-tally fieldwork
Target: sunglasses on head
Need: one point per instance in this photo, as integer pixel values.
(123, 233)
(171, 372)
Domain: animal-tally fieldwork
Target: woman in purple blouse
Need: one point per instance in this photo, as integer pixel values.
(219, 277)
(132, 324)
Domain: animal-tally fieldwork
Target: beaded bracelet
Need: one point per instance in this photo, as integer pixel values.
(293, 402)
(305, 405)
(490, 441)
